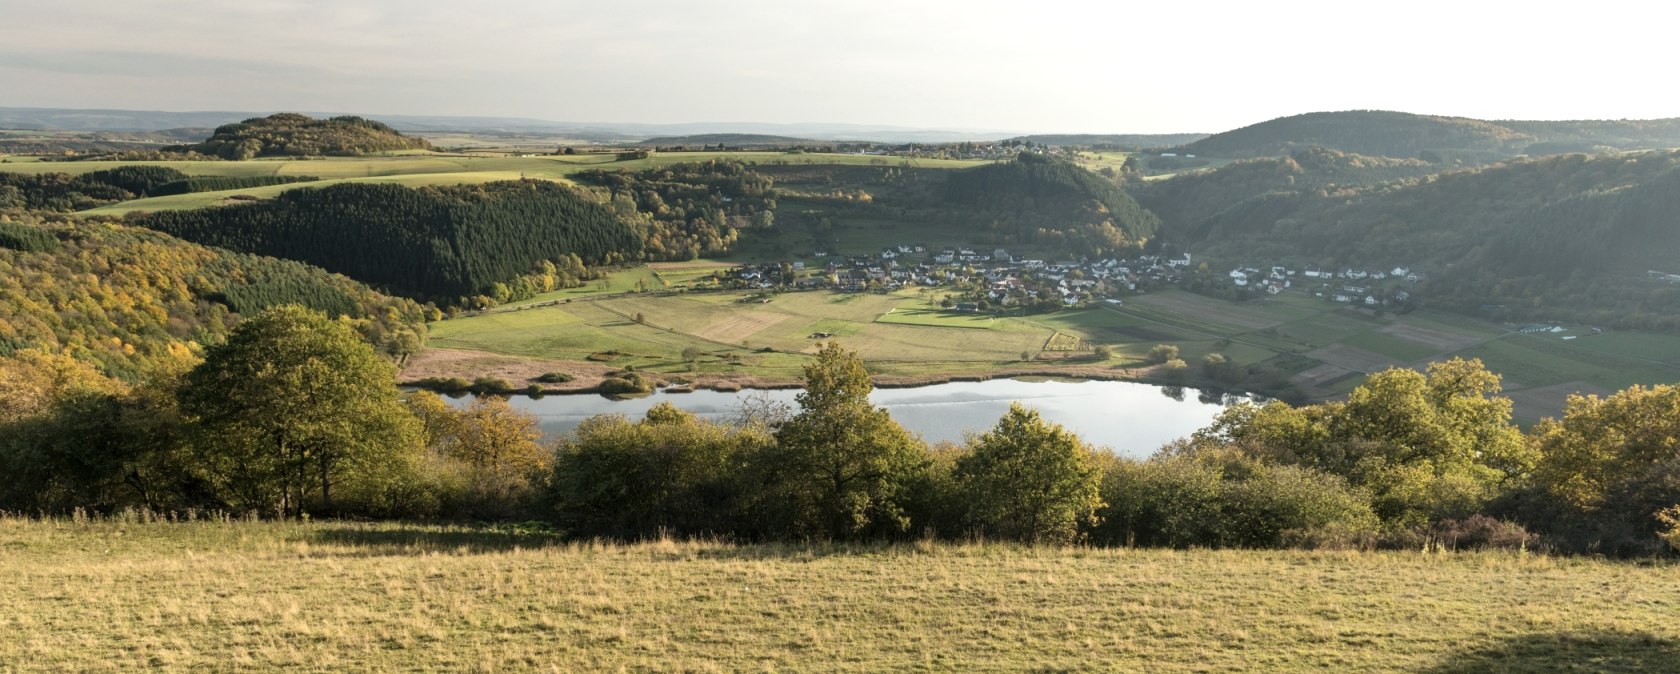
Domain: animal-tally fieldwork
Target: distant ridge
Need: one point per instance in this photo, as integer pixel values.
(71, 119)
(731, 140)
(1382, 133)
(1121, 141)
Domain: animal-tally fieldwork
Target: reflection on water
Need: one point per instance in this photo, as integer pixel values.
(1132, 419)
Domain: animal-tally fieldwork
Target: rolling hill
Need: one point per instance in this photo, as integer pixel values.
(1368, 132)
(290, 134)
(1192, 198)
(1436, 138)
(127, 300)
(1562, 237)
(1040, 198)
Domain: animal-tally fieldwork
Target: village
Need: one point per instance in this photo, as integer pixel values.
(977, 279)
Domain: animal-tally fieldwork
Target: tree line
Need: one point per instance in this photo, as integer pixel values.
(295, 414)
(66, 192)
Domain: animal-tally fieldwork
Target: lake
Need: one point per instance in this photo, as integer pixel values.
(1130, 418)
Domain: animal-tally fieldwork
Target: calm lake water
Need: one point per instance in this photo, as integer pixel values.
(1132, 419)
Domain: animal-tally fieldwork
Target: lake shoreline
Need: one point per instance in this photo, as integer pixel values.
(1130, 417)
(586, 377)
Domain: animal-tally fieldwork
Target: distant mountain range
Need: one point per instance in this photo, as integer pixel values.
(1372, 133)
(150, 120)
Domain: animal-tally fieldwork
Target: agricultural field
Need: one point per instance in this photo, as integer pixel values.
(420, 169)
(1336, 346)
(1323, 350)
(743, 333)
(131, 594)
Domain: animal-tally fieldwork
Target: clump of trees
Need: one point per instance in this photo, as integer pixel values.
(65, 192)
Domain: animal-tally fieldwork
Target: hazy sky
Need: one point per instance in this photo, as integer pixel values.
(1042, 65)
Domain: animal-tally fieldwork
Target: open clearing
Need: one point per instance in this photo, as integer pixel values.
(335, 596)
(740, 326)
(1316, 380)
(771, 339)
(1548, 401)
(1353, 358)
(1209, 310)
(1440, 340)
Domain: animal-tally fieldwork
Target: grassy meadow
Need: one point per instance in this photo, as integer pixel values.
(1323, 349)
(337, 596)
(899, 333)
(416, 169)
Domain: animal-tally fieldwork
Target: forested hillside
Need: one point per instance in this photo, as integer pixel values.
(1052, 202)
(1437, 139)
(1597, 135)
(1368, 132)
(493, 241)
(1186, 200)
(289, 134)
(1569, 236)
(125, 299)
(688, 210)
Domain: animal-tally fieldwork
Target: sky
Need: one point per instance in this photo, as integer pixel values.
(1045, 66)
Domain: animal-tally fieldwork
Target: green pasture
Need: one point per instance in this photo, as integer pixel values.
(416, 169)
(935, 316)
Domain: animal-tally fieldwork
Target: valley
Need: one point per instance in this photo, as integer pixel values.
(695, 323)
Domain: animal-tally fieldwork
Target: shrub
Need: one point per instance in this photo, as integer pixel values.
(1162, 353)
(1480, 532)
(1219, 498)
(445, 384)
(491, 385)
(629, 384)
(554, 378)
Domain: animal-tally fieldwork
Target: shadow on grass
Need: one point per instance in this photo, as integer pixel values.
(1611, 652)
(424, 540)
(412, 541)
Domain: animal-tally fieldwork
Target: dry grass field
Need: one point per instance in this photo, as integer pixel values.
(333, 597)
